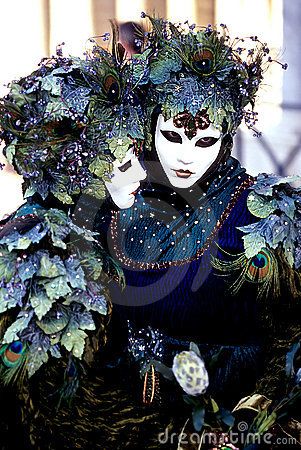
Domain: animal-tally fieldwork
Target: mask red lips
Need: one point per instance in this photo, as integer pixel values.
(183, 173)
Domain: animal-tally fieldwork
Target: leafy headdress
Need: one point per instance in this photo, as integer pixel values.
(201, 70)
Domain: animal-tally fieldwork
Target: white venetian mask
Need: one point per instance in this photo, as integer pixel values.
(185, 160)
(126, 177)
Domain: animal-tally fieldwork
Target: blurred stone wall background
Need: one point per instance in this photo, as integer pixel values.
(31, 29)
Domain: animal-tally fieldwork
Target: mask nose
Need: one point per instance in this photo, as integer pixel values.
(184, 161)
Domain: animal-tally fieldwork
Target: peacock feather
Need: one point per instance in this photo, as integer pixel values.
(262, 269)
(13, 358)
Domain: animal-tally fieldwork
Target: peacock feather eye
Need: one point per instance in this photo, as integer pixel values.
(13, 353)
(112, 88)
(203, 61)
(260, 265)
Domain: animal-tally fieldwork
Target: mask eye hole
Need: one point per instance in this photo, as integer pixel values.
(172, 136)
(206, 141)
(125, 166)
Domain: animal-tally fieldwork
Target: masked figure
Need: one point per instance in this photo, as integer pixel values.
(186, 282)
(207, 251)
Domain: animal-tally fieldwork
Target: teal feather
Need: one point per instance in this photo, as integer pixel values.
(13, 357)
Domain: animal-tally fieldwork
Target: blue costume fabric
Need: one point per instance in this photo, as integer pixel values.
(175, 292)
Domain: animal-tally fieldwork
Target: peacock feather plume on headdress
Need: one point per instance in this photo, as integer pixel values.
(194, 69)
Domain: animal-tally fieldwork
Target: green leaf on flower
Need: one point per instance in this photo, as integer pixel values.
(225, 416)
(161, 68)
(7, 264)
(59, 190)
(19, 325)
(119, 146)
(36, 357)
(215, 407)
(57, 222)
(253, 244)
(41, 303)
(163, 369)
(101, 167)
(52, 84)
(56, 110)
(54, 322)
(57, 287)
(96, 188)
(9, 152)
(51, 267)
(260, 206)
(75, 274)
(193, 347)
(74, 341)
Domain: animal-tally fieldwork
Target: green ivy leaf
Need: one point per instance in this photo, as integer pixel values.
(119, 146)
(9, 152)
(59, 190)
(37, 356)
(51, 267)
(162, 67)
(96, 188)
(57, 287)
(57, 221)
(52, 84)
(56, 110)
(41, 303)
(139, 67)
(19, 98)
(260, 206)
(21, 243)
(74, 341)
(101, 167)
(253, 244)
(19, 325)
(7, 264)
(54, 322)
(75, 274)
(287, 205)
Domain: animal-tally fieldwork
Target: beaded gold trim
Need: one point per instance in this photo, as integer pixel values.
(165, 264)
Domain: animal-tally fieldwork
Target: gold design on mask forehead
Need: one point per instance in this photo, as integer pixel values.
(192, 123)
